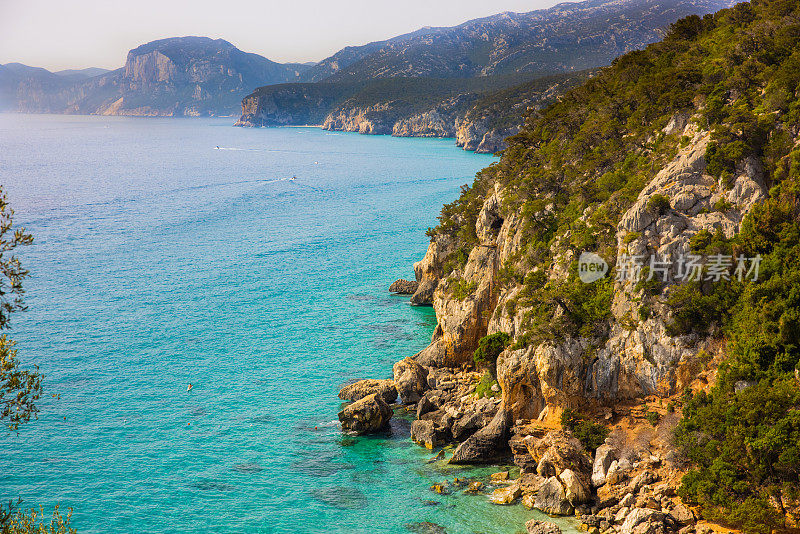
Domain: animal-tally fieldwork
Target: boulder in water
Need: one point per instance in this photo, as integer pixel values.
(370, 414)
(404, 287)
(426, 433)
(487, 444)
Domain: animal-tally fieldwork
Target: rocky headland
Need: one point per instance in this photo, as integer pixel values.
(600, 391)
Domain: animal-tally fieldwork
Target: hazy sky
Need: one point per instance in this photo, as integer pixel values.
(60, 34)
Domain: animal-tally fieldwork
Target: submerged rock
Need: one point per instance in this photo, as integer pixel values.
(320, 464)
(364, 388)
(249, 467)
(506, 495)
(370, 414)
(341, 497)
(404, 287)
(426, 527)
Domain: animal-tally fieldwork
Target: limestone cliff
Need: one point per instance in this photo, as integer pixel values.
(635, 360)
(603, 276)
(182, 76)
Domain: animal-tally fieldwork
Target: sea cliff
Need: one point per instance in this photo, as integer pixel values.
(597, 381)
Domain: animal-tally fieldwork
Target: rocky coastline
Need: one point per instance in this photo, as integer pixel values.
(633, 383)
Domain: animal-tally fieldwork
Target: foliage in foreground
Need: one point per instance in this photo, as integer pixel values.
(19, 388)
(32, 521)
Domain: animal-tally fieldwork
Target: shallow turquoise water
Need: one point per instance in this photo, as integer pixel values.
(160, 261)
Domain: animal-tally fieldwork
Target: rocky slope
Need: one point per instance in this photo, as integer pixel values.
(569, 36)
(182, 76)
(528, 355)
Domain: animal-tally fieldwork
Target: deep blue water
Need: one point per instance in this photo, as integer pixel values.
(161, 261)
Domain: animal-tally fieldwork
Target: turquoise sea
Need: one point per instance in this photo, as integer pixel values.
(160, 261)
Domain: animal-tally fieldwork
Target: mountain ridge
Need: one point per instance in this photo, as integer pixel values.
(177, 76)
(567, 38)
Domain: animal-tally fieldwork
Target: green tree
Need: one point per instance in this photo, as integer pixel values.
(20, 388)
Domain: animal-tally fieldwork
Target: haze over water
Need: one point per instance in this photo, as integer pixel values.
(160, 261)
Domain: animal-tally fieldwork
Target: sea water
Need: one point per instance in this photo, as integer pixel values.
(253, 264)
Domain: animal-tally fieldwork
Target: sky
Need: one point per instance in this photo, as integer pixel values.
(63, 34)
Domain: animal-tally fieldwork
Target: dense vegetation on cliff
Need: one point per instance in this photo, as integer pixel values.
(578, 166)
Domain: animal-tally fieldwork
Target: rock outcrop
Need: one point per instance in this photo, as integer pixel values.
(410, 379)
(612, 489)
(375, 120)
(180, 76)
(463, 321)
(404, 287)
(487, 445)
(363, 388)
(367, 415)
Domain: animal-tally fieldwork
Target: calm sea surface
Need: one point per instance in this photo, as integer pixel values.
(159, 261)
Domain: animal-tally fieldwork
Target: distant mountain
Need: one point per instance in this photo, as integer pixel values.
(399, 86)
(21, 83)
(181, 76)
(89, 72)
(569, 36)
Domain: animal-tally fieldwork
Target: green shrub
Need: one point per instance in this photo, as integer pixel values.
(484, 387)
(461, 289)
(653, 417)
(658, 204)
(630, 237)
(489, 348)
(722, 205)
(590, 434)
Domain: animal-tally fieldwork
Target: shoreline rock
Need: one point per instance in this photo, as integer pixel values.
(367, 415)
(404, 287)
(410, 379)
(363, 388)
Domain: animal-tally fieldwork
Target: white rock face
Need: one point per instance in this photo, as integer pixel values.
(639, 356)
(575, 490)
(603, 456)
